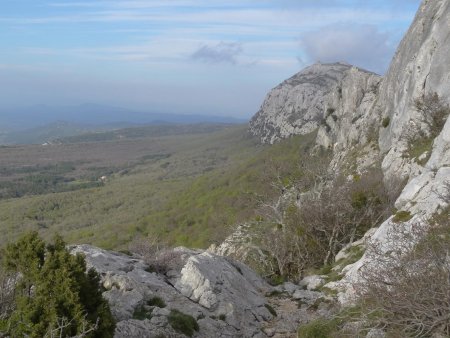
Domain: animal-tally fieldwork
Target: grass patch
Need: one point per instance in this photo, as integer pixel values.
(141, 313)
(156, 301)
(126, 252)
(332, 327)
(276, 280)
(402, 216)
(354, 254)
(183, 323)
(420, 146)
(328, 291)
(319, 328)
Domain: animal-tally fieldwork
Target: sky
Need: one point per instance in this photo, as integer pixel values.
(217, 57)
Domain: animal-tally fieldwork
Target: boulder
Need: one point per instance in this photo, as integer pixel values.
(312, 282)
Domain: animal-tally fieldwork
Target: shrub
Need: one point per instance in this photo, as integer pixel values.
(402, 216)
(275, 280)
(319, 328)
(386, 121)
(434, 110)
(435, 114)
(183, 323)
(310, 235)
(156, 301)
(156, 254)
(141, 313)
(55, 295)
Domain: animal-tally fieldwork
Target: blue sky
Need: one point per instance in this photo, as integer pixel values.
(215, 57)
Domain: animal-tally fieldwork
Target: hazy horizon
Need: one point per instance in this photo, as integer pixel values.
(183, 56)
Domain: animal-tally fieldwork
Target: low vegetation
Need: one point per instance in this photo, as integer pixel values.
(402, 216)
(183, 323)
(434, 113)
(141, 313)
(406, 293)
(319, 328)
(411, 291)
(308, 233)
(156, 301)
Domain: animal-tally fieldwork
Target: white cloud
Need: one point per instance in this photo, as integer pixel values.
(361, 45)
(223, 52)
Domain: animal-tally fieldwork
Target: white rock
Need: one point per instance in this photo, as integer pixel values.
(312, 282)
(376, 333)
(207, 286)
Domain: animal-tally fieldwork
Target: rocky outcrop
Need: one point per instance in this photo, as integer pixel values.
(225, 297)
(366, 119)
(317, 96)
(420, 66)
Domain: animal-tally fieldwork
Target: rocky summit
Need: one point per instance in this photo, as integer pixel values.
(300, 104)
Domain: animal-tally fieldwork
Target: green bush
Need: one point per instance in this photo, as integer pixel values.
(420, 146)
(183, 323)
(66, 300)
(157, 301)
(276, 280)
(319, 328)
(402, 216)
(141, 313)
(386, 121)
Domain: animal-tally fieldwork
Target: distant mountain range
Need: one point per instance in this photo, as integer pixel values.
(38, 124)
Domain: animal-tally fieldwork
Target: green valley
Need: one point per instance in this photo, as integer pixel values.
(187, 187)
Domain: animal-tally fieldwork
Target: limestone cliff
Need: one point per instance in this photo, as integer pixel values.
(378, 119)
(316, 96)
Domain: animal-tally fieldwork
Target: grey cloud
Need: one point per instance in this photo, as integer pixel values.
(223, 52)
(361, 45)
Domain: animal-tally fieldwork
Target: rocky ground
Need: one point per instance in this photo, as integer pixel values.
(224, 297)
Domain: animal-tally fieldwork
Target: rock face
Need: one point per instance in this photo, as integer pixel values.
(225, 297)
(311, 98)
(420, 66)
(377, 120)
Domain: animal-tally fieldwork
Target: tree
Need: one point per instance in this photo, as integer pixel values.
(53, 293)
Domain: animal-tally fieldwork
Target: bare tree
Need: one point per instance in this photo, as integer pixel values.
(434, 111)
(62, 324)
(157, 254)
(311, 231)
